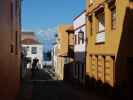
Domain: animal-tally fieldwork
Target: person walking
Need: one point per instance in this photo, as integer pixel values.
(34, 66)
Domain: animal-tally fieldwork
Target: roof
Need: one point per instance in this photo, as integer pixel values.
(28, 35)
(29, 38)
(30, 41)
(70, 29)
(79, 14)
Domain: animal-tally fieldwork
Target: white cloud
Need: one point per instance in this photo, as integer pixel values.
(48, 34)
(45, 36)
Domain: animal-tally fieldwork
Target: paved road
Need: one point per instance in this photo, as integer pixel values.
(43, 87)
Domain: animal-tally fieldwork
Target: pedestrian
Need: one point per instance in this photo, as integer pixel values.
(34, 66)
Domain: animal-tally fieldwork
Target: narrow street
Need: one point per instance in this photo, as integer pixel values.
(43, 87)
(66, 50)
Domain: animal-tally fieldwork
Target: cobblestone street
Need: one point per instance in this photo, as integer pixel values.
(43, 87)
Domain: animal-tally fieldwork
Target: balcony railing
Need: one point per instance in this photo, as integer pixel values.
(100, 37)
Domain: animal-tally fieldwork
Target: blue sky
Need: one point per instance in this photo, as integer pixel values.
(44, 16)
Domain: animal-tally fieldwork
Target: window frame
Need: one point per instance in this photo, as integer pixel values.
(113, 17)
(78, 39)
(81, 37)
(90, 18)
(32, 51)
(100, 13)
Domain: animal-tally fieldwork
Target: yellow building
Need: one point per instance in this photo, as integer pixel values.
(69, 65)
(62, 50)
(109, 50)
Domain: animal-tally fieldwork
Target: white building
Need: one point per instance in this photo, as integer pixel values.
(80, 38)
(55, 57)
(32, 47)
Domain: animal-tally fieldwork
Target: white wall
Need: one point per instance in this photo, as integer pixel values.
(79, 21)
(80, 47)
(39, 54)
(55, 63)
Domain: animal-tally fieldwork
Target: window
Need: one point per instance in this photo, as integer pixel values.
(101, 22)
(90, 21)
(112, 8)
(34, 50)
(100, 26)
(24, 50)
(81, 37)
(113, 18)
(78, 39)
(27, 48)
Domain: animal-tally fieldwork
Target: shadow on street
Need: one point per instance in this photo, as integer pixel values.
(41, 86)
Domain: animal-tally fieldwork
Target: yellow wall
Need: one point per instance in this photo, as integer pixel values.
(60, 68)
(62, 48)
(63, 38)
(71, 39)
(108, 51)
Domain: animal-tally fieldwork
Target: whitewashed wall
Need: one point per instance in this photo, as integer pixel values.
(55, 56)
(78, 25)
(79, 21)
(39, 54)
(80, 47)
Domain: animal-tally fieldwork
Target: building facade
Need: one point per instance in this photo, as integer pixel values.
(33, 48)
(54, 58)
(69, 65)
(79, 24)
(10, 30)
(109, 53)
(62, 49)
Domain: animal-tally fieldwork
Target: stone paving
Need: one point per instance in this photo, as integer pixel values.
(43, 87)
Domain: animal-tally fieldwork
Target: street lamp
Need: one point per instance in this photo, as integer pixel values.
(81, 34)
